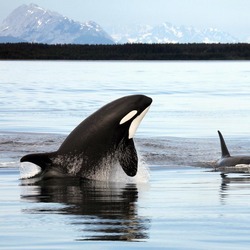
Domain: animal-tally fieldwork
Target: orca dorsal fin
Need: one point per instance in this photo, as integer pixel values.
(127, 157)
(224, 150)
(43, 160)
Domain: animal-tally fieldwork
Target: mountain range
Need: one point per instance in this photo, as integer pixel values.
(169, 33)
(35, 24)
(31, 23)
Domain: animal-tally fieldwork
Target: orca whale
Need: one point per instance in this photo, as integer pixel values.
(226, 159)
(102, 139)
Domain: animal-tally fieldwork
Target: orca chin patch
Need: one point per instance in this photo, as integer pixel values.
(128, 116)
(136, 122)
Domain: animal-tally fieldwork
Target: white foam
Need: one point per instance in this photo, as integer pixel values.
(242, 166)
(28, 170)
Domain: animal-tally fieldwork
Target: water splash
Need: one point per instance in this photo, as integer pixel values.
(142, 176)
(108, 172)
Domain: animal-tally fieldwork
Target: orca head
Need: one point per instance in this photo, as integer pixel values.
(132, 111)
(136, 108)
(129, 112)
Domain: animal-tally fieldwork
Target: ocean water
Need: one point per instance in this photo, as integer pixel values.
(177, 200)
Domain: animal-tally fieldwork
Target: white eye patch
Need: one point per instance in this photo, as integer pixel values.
(128, 116)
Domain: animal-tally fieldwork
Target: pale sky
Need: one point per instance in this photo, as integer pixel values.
(232, 16)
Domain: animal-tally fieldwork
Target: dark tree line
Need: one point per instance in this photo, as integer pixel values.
(30, 51)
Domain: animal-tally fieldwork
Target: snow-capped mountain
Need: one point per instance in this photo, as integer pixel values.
(168, 33)
(32, 23)
(35, 24)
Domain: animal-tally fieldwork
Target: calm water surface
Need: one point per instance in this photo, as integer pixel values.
(184, 204)
(190, 98)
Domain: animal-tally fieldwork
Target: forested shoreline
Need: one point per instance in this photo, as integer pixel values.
(34, 51)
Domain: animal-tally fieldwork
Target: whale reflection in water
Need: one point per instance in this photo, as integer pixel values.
(104, 211)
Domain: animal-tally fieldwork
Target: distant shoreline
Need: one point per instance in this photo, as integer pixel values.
(194, 51)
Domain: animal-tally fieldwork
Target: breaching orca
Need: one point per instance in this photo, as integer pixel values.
(105, 137)
(226, 159)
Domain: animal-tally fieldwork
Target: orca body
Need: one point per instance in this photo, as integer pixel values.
(104, 138)
(226, 159)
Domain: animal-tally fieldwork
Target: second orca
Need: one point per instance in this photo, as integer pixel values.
(226, 159)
